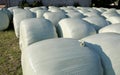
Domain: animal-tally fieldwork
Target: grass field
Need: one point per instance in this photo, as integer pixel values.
(10, 53)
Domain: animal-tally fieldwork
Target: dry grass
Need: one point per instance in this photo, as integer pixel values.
(10, 54)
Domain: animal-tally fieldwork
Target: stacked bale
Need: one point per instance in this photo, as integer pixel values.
(113, 28)
(97, 22)
(60, 57)
(45, 55)
(74, 28)
(19, 15)
(34, 30)
(4, 20)
(107, 45)
(54, 17)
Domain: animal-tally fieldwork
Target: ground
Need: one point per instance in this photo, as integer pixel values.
(10, 61)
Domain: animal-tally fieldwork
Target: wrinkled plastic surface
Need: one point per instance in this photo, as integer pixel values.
(19, 15)
(60, 57)
(27, 8)
(54, 17)
(55, 9)
(34, 9)
(102, 10)
(114, 19)
(34, 30)
(107, 45)
(12, 8)
(74, 28)
(4, 20)
(5, 10)
(88, 14)
(97, 21)
(109, 13)
(39, 13)
(118, 11)
(114, 28)
(75, 15)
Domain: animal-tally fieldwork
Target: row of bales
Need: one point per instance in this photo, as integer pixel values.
(66, 40)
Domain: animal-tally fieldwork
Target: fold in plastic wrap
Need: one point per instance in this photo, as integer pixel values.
(107, 45)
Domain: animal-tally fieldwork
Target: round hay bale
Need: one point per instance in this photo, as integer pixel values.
(114, 19)
(113, 28)
(12, 8)
(74, 28)
(34, 9)
(19, 15)
(27, 8)
(107, 45)
(75, 15)
(34, 30)
(109, 13)
(4, 20)
(39, 13)
(54, 17)
(97, 21)
(60, 57)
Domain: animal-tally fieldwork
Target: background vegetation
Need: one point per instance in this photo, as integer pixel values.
(10, 53)
(104, 3)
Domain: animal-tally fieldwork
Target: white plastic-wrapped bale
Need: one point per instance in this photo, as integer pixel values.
(34, 9)
(55, 9)
(114, 19)
(110, 13)
(27, 8)
(63, 7)
(100, 9)
(75, 15)
(107, 45)
(34, 30)
(39, 13)
(114, 28)
(97, 21)
(91, 14)
(60, 57)
(18, 10)
(12, 8)
(19, 15)
(4, 20)
(74, 28)
(50, 7)
(83, 10)
(72, 7)
(10, 15)
(44, 7)
(118, 11)
(94, 11)
(68, 10)
(76, 9)
(54, 17)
